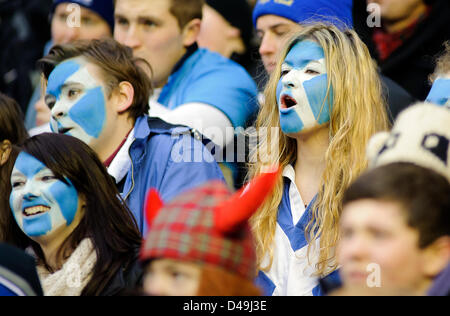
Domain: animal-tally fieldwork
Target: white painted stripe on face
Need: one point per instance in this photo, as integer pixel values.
(303, 108)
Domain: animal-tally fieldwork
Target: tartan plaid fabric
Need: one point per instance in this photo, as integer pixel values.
(184, 230)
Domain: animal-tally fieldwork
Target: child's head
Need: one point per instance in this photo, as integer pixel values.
(395, 228)
(200, 242)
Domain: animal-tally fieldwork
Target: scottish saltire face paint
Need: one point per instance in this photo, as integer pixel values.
(302, 89)
(77, 101)
(41, 203)
(440, 92)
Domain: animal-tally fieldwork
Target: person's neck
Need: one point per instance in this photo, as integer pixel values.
(310, 163)
(399, 25)
(121, 129)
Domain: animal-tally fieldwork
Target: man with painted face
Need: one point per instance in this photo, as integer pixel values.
(197, 88)
(440, 91)
(99, 93)
(276, 20)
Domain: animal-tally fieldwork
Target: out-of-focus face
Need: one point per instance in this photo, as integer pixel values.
(80, 106)
(440, 91)
(393, 10)
(213, 23)
(92, 26)
(168, 277)
(43, 205)
(273, 32)
(152, 32)
(375, 233)
(302, 89)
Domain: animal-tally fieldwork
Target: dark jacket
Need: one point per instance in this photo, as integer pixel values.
(411, 64)
(127, 279)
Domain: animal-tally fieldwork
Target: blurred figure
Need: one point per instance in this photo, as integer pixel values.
(410, 34)
(24, 30)
(395, 230)
(440, 90)
(71, 20)
(228, 30)
(200, 244)
(18, 275)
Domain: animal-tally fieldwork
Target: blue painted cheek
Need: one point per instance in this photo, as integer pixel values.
(440, 92)
(90, 112)
(316, 91)
(290, 122)
(37, 227)
(67, 198)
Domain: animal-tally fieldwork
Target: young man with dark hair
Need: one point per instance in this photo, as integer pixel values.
(98, 92)
(195, 87)
(396, 221)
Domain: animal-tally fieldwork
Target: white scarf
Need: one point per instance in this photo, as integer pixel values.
(73, 276)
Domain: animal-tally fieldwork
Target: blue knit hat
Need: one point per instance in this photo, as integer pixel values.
(337, 12)
(104, 8)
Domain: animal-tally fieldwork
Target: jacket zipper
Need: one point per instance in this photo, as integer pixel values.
(132, 174)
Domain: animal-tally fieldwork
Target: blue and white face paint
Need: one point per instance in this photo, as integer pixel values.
(77, 101)
(41, 203)
(440, 92)
(302, 89)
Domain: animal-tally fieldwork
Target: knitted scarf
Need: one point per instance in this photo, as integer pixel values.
(73, 276)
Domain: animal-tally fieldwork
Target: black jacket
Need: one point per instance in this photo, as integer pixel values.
(412, 63)
(126, 280)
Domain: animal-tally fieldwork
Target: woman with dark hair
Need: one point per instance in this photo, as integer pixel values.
(85, 238)
(12, 131)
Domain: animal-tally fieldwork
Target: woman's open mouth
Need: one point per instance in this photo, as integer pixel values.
(35, 210)
(287, 102)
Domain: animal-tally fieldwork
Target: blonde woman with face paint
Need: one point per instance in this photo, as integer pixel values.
(323, 103)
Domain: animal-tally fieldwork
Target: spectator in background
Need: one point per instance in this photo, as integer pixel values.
(12, 132)
(96, 20)
(228, 30)
(195, 87)
(84, 237)
(24, 30)
(440, 90)
(410, 34)
(275, 20)
(395, 230)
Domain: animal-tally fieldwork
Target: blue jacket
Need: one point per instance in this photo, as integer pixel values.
(167, 158)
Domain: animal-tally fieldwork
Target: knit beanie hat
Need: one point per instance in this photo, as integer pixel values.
(104, 8)
(238, 13)
(336, 12)
(18, 276)
(207, 225)
(421, 135)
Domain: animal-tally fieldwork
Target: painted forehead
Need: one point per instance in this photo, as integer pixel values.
(72, 71)
(304, 52)
(28, 165)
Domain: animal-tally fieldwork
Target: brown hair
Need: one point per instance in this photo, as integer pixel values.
(186, 10)
(442, 63)
(423, 194)
(116, 62)
(218, 282)
(12, 127)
